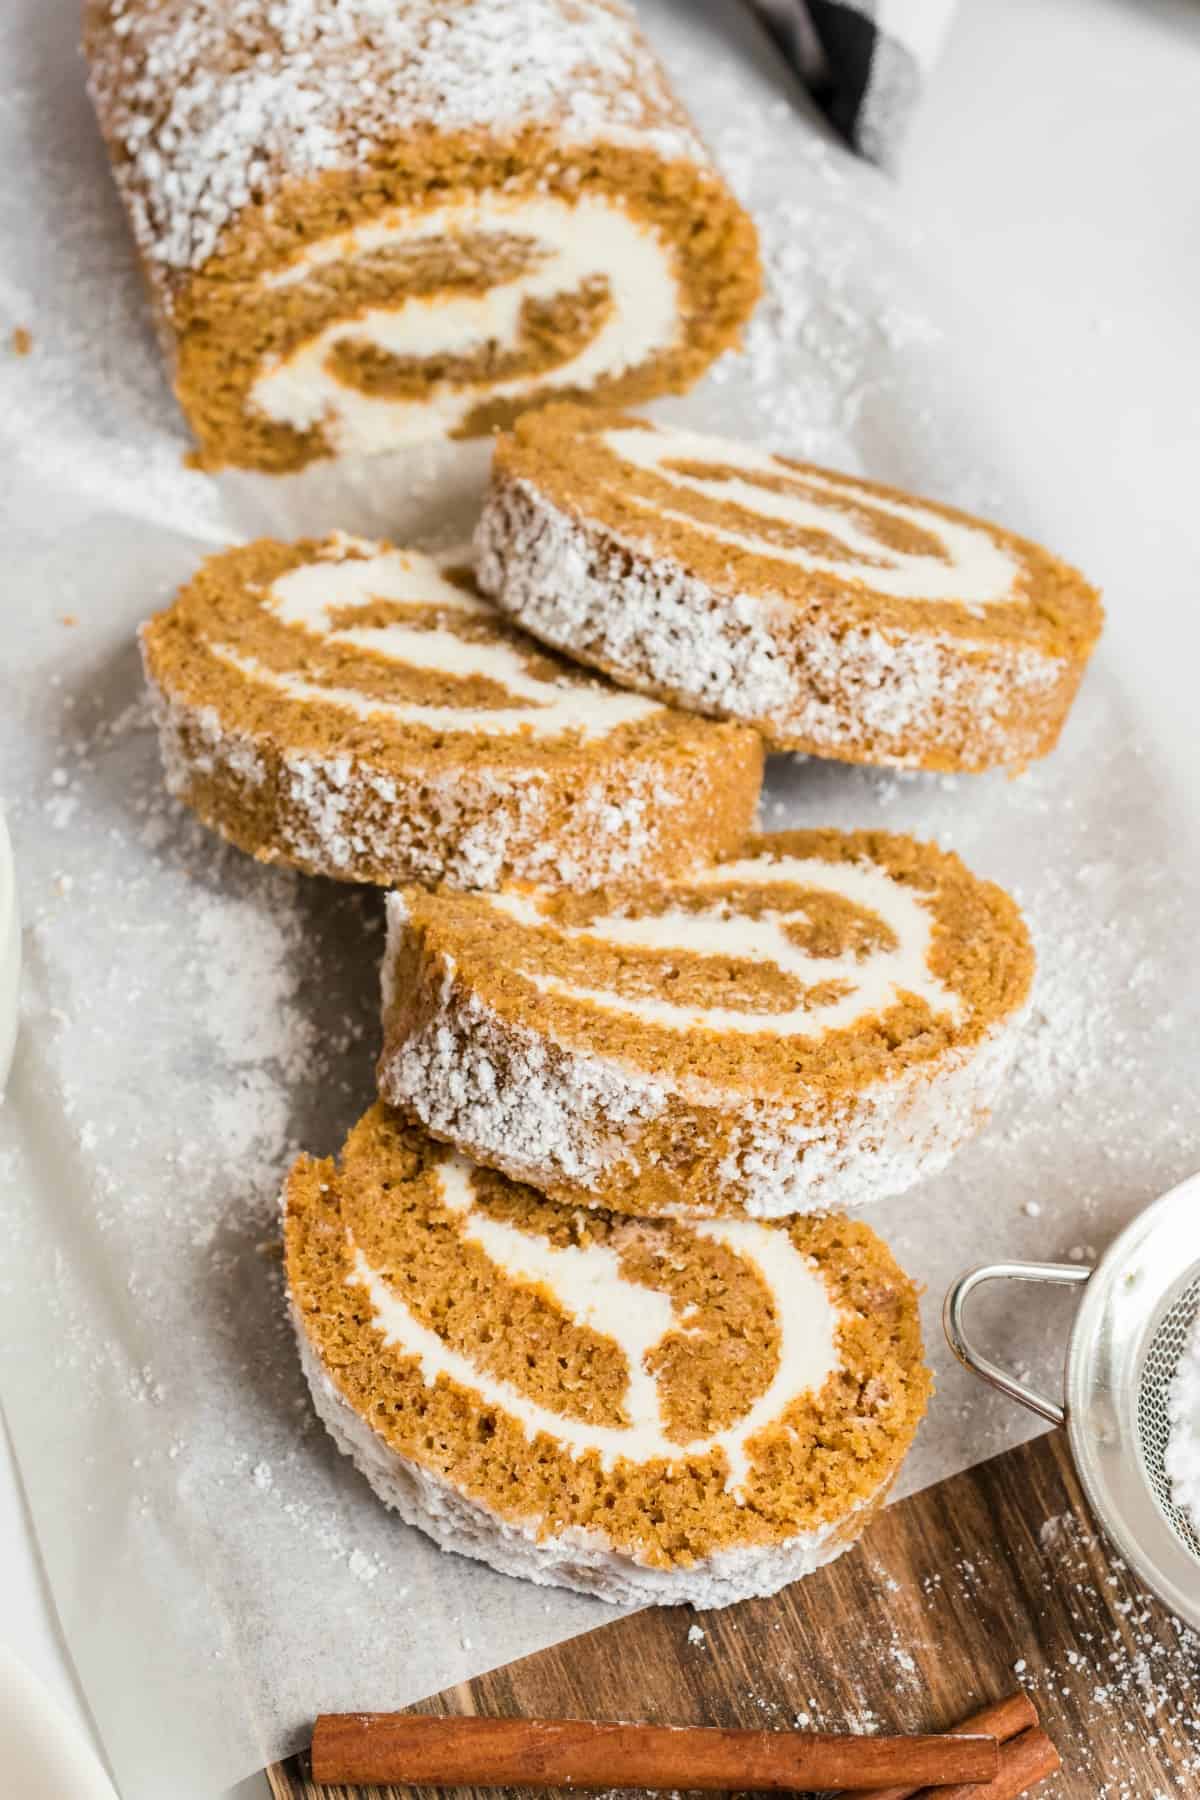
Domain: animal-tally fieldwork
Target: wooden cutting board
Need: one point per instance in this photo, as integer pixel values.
(994, 1579)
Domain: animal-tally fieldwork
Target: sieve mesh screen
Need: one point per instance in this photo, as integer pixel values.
(1153, 1420)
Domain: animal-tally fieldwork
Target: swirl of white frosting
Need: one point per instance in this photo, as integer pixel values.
(574, 242)
(867, 982)
(317, 596)
(970, 565)
(587, 1283)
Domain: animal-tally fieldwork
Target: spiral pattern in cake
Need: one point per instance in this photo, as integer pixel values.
(643, 1410)
(360, 711)
(816, 1021)
(838, 616)
(368, 225)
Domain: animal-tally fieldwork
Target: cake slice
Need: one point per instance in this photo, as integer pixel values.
(359, 711)
(838, 616)
(813, 1022)
(649, 1411)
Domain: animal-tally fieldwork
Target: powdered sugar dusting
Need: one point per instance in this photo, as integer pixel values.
(470, 827)
(550, 1112)
(1182, 1457)
(446, 1072)
(215, 104)
(801, 677)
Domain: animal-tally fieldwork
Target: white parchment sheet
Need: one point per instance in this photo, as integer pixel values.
(190, 1019)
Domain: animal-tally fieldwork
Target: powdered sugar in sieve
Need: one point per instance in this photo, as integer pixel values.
(1132, 1329)
(1160, 1429)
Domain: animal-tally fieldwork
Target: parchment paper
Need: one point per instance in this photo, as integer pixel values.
(191, 1019)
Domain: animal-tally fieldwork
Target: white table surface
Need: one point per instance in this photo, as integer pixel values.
(1055, 161)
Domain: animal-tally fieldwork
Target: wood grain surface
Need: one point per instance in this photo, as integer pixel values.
(994, 1579)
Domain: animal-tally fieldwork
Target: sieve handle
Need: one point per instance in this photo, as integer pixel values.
(954, 1321)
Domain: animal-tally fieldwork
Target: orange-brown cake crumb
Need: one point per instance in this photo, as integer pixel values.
(360, 711)
(814, 1022)
(647, 1410)
(838, 616)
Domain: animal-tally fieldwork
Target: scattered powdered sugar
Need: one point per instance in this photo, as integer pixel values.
(192, 1020)
(249, 958)
(835, 305)
(1182, 1457)
(216, 104)
(89, 430)
(1137, 1674)
(365, 1568)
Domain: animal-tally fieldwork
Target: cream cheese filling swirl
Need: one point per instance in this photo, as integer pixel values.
(439, 629)
(589, 1286)
(588, 250)
(822, 524)
(833, 992)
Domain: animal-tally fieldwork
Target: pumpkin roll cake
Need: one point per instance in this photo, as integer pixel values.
(839, 617)
(364, 224)
(647, 1410)
(812, 1023)
(360, 711)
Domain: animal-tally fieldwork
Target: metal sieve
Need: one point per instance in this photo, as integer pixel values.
(1136, 1311)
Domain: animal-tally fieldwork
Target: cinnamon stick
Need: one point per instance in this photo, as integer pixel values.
(420, 1750)
(1024, 1762)
(1003, 1721)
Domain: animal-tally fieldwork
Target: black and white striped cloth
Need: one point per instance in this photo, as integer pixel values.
(864, 61)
